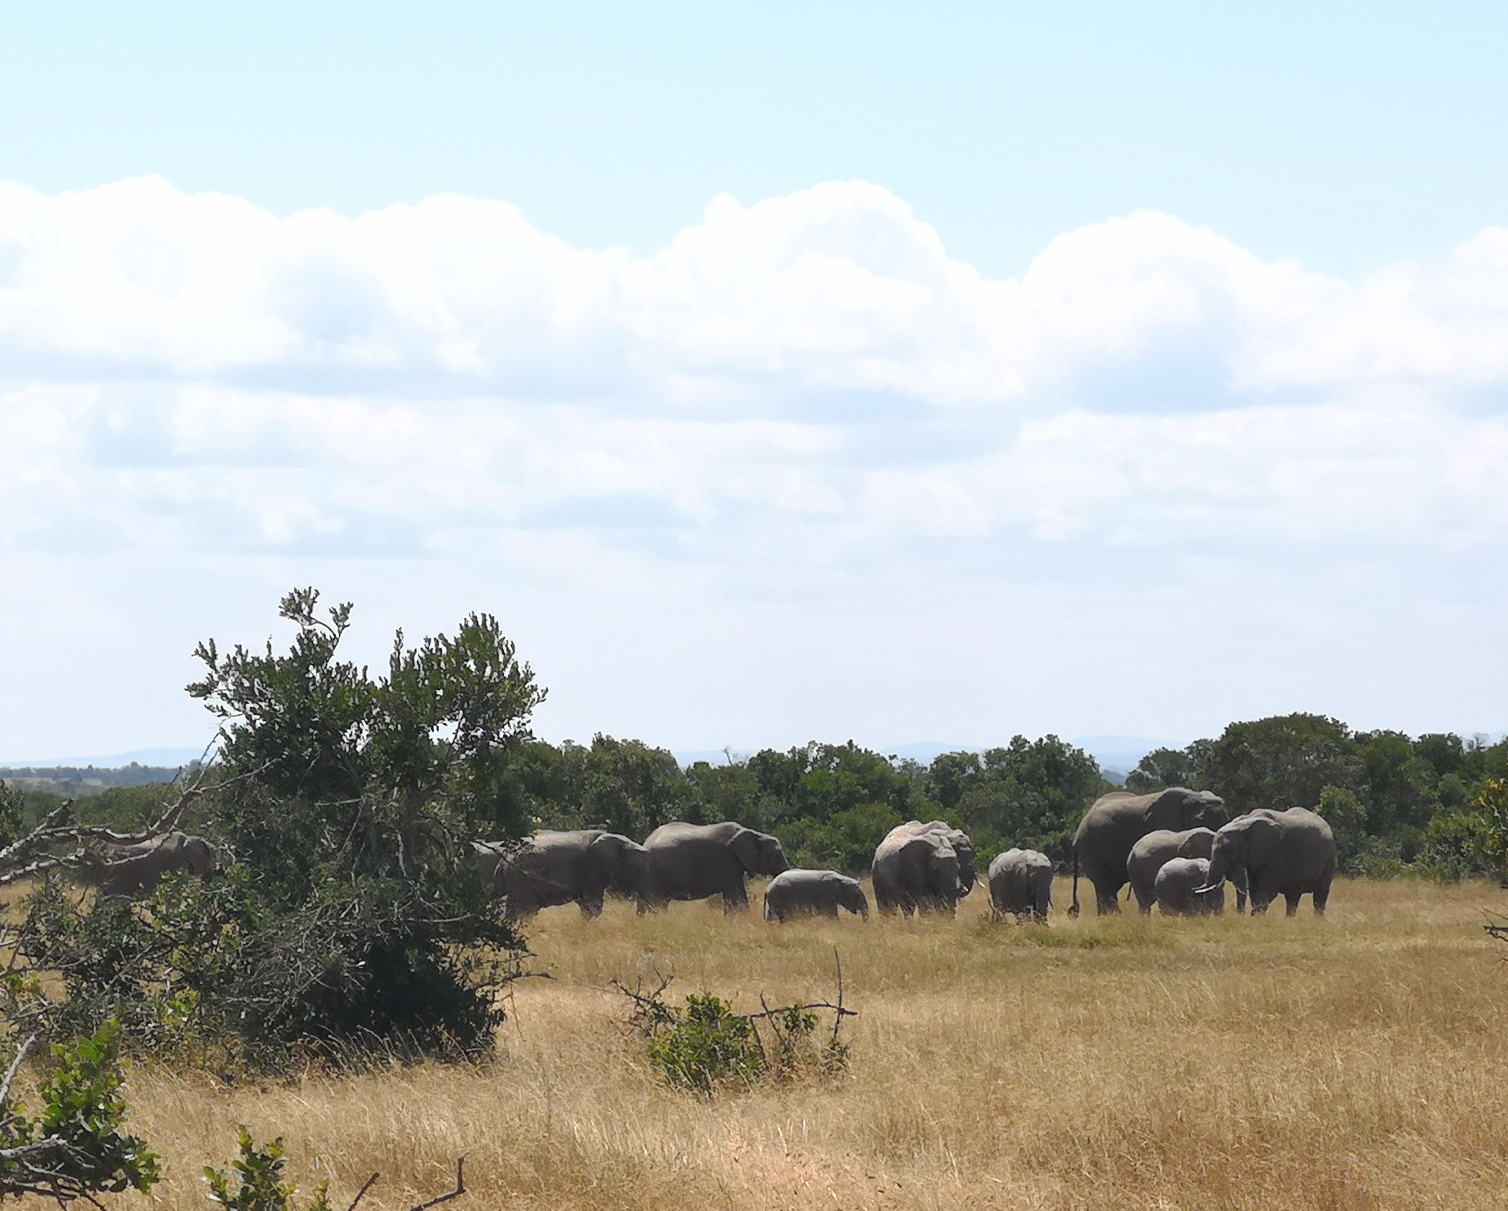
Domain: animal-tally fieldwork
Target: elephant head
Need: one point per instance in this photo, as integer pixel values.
(201, 858)
(624, 862)
(945, 873)
(852, 897)
(1197, 843)
(1235, 847)
(760, 853)
(1203, 809)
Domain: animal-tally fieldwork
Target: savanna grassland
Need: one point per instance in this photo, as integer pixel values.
(1359, 1060)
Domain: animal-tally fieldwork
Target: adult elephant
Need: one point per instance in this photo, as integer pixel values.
(806, 893)
(1021, 884)
(562, 867)
(1181, 888)
(923, 868)
(1152, 852)
(1116, 822)
(696, 861)
(1288, 854)
(124, 870)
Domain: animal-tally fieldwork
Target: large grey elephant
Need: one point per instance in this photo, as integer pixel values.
(1284, 854)
(1183, 888)
(1160, 846)
(696, 861)
(923, 868)
(550, 868)
(124, 870)
(1021, 884)
(1116, 822)
(805, 893)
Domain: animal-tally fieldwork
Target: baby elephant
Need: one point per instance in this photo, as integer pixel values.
(805, 893)
(1021, 883)
(1176, 884)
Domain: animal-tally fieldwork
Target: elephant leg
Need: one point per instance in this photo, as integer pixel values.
(1292, 904)
(1240, 901)
(1107, 902)
(735, 898)
(1321, 897)
(591, 906)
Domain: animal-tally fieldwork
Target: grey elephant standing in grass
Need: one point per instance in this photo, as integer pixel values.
(923, 868)
(697, 861)
(124, 870)
(1181, 888)
(1288, 854)
(805, 893)
(1116, 822)
(1161, 846)
(1021, 883)
(550, 868)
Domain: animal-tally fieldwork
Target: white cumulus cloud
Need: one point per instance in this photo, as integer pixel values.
(802, 409)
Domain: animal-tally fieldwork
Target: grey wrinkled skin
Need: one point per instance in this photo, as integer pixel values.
(697, 861)
(923, 868)
(577, 866)
(805, 893)
(1160, 846)
(124, 870)
(1181, 888)
(1116, 822)
(1021, 884)
(1288, 854)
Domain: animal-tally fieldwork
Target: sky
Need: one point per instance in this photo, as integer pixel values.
(899, 372)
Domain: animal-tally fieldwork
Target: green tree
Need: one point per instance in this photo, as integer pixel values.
(352, 912)
(1029, 793)
(1281, 762)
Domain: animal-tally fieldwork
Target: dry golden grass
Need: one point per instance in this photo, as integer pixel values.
(1359, 1060)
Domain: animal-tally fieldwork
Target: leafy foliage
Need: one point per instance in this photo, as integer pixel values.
(259, 1180)
(352, 913)
(707, 1044)
(75, 1147)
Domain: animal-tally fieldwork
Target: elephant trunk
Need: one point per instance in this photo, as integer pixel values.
(1073, 909)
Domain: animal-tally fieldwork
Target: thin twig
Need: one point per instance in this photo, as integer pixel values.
(445, 1198)
(360, 1194)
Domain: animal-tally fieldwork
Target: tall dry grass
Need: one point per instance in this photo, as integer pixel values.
(1354, 1061)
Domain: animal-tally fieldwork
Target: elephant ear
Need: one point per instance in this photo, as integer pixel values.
(745, 846)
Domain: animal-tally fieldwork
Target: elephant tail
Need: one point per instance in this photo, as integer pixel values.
(1073, 909)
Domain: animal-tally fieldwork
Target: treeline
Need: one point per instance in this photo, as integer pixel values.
(830, 804)
(1396, 802)
(1433, 804)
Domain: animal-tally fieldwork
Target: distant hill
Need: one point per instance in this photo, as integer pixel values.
(78, 781)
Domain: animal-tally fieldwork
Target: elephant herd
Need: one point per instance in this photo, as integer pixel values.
(1177, 848)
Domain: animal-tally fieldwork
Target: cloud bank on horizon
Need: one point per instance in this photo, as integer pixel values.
(797, 472)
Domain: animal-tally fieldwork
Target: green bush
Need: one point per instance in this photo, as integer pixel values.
(259, 1174)
(708, 1045)
(75, 1148)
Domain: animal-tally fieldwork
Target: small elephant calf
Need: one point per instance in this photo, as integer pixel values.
(1021, 884)
(805, 893)
(1177, 888)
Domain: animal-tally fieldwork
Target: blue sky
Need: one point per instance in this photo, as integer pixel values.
(892, 372)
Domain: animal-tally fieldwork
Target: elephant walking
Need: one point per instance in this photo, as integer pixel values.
(923, 868)
(1021, 884)
(124, 870)
(1161, 846)
(696, 861)
(802, 893)
(1116, 822)
(550, 868)
(1181, 888)
(1286, 854)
